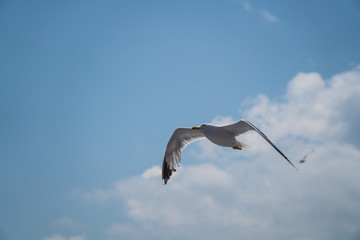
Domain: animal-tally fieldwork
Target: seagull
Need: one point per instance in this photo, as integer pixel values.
(303, 159)
(219, 135)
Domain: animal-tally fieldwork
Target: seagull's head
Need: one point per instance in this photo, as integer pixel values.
(200, 127)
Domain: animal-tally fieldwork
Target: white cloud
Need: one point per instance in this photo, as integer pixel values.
(68, 224)
(55, 237)
(268, 16)
(246, 6)
(264, 14)
(152, 172)
(118, 230)
(254, 193)
(313, 109)
(82, 237)
(60, 237)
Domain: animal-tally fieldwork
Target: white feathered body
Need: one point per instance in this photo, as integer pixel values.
(219, 136)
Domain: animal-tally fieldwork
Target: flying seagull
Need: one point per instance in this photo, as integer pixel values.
(303, 159)
(223, 136)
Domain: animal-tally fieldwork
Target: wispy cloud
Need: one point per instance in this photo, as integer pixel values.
(68, 223)
(246, 6)
(152, 172)
(128, 231)
(255, 194)
(61, 237)
(268, 16)
(264, 14)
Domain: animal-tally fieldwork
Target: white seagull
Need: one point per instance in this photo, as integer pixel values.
(223, 136)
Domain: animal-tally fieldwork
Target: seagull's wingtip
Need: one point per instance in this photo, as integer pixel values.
(291, 163)
(294, 166)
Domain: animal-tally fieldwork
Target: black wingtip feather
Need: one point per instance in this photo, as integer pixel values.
(166, 171)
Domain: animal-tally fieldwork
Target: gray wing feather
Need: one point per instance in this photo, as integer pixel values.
(239, 128)
(178, 141)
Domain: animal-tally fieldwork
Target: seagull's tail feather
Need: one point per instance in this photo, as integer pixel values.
(243, 145)
(166, 171)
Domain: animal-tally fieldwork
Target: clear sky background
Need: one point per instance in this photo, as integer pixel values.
(91, 91)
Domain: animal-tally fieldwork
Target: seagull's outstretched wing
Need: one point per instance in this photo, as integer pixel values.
(178, 141)
(243, 126)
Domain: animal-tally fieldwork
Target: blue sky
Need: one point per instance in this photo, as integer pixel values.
(91, 91)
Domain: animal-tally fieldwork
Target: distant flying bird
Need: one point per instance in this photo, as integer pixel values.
(223, 136)
(304, 158)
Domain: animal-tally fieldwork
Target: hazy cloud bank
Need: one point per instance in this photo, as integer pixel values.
(254, 193)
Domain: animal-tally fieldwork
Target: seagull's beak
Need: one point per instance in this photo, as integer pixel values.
(195, 127)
